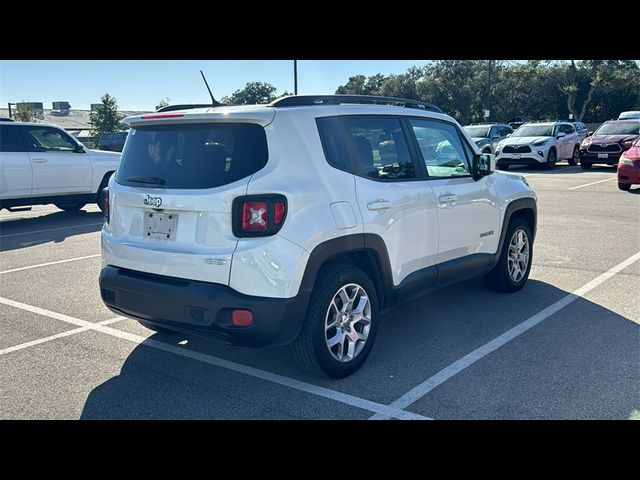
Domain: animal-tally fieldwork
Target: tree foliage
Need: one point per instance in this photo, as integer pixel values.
(252, 93)
(162, 103)
(23, 114)
(593, 90)
(106, 118)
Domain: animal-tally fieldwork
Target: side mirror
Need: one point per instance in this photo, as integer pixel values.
(561, 134)
(589, 133)
(509, 134)
(79, 149)
(483, 164)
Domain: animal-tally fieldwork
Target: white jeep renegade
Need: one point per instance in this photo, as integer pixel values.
(300, 221)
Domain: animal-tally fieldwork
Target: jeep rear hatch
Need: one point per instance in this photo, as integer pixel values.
(173, 192)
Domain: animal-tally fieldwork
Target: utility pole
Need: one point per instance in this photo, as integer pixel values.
(295, 77)
(9, 104)
(489, 88)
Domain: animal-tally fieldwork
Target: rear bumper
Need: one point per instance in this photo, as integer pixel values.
(628, 174)
(201, 308)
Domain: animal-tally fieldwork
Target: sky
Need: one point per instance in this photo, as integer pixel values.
(141, 84)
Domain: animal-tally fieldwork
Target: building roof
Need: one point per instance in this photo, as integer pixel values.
(76, 119)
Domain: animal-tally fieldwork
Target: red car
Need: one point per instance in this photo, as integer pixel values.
(629, 167)
(608, 142)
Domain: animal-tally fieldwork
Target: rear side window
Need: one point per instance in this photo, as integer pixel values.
(192, 156)
(381, 148)
(9, 139)
(332, 137)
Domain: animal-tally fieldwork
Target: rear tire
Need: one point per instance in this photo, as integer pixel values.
(585, 165)
(337, 329)
(70, 207)
(157, 329)
(624, 186)
(511, 272)
(575, 158)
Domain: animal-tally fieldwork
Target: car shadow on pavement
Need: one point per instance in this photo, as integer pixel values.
(582, 362)
(54, 227)
(563, 168)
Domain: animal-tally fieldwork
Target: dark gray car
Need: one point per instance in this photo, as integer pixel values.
(582, 129)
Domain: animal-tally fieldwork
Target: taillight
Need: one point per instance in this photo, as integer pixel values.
(258, 215)
(105, 204)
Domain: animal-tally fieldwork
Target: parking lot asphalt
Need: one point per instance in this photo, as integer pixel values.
(566, 346)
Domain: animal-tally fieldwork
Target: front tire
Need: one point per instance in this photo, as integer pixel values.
(575, 158)
(341, 322)
(70, 207)
(624, 186)
(513, 267)
(552, 158)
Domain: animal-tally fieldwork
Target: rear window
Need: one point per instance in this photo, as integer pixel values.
(191, 156)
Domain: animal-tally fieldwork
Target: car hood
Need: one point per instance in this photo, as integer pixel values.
(480, 139)
(611, 138)
(523, 140)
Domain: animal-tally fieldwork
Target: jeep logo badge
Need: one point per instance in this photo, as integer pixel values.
(152, 201)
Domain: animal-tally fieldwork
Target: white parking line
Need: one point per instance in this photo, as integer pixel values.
(52, 229)
(387, 411)
(56, 336)
(49, 263)
(593, 183)
(446, 373)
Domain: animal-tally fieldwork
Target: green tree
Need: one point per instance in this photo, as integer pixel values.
(106, 118)
(252, 93)
(162, 103)
(24, 114)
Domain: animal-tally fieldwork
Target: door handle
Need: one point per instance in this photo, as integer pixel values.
(379, 205)
(39, 160)
(447, 198)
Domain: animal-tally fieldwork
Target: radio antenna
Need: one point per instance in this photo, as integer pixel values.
(214, 102)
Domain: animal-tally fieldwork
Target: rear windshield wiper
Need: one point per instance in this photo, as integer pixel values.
(149, 180)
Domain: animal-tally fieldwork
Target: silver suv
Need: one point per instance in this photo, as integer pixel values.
(487, 135)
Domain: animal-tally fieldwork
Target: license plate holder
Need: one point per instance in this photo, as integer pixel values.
(516, 156)
(603, 155)
(160, 225)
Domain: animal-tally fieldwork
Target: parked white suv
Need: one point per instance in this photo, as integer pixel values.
(540, 144)
(42, 164)
(300, 221)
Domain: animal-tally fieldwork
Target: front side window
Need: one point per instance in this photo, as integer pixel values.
(47, 139)
(441, 148)
(568, 129)
(504, 131)
(380, 148)
(9, 141)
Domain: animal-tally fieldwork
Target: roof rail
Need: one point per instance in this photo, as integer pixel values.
(187, 106)
(301, 100)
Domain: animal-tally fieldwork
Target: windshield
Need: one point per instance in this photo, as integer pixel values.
(479, 131)
(618, 129)
(534, 131)
(201, 155)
